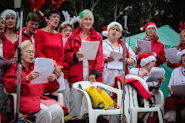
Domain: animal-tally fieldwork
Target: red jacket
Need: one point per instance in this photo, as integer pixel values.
(76, 67)
(158, 48)
(14, 44)
(30, 93)
(49, 45)
(8, 49)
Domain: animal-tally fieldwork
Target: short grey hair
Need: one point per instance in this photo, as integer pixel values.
(86, 13)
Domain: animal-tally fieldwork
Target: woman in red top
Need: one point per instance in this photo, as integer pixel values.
(31, 99)
(6, 52)
(86, 69)
(48, 42)
(179, 47)
(10, 26)
(157, 47)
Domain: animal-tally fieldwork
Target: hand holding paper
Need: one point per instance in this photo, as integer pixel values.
(115, 64)
(144, 45)
(155, 74)
(89, 50)
(172, 55)
(45, 68)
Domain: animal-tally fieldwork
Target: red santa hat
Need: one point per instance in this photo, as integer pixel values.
(107, 28)
(146, 58)
(180, 53)
(148, 25)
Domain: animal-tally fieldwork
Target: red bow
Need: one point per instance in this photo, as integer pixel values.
(182, 25)
(104, 28)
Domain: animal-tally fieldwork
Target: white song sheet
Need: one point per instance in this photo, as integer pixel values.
(89, 49)
(155, 73)
(144, 45)
(45, 68)
(172, 55)
(4, 62)
(178, 90)
(61, 82)
(115, 64)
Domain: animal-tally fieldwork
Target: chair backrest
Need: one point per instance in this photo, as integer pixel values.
(132, 93)
(87, 84)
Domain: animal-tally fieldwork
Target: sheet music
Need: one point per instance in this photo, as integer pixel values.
(89, 49)
(178, 90)
(155, 73)
(116, 64)
(61, 82)
(144, 45)
(45, 68)
(4, 62)
(172, 55)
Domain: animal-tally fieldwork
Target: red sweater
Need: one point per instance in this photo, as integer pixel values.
(30, 93)
(49, 45)
(158, 48)
(8, 49)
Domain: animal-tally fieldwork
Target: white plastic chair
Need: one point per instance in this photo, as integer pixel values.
(160, 101)
(94, 113)
(134, 108)
(59, 97)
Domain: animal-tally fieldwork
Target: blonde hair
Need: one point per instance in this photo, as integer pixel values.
(23, 46)
(183, 31)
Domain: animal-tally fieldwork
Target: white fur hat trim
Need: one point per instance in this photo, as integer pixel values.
(145, 61)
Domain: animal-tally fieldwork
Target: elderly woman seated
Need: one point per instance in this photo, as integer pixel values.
(31, 100)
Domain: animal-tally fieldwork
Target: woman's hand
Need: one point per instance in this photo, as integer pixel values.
(92, 78)
(121, 59)
(136, 50)
(32, 75)
(52, 77)
(144, 72)
(161, 80)
(79, 55)
(108, 59)
(58, 70)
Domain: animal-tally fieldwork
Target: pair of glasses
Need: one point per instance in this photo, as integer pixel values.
(30, 51)
(55, 16)
(115, 29)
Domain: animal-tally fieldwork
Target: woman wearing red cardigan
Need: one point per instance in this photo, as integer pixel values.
(157, 47)
(82, 70)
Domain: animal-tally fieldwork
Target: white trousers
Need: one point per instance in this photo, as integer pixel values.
(171, 115)
(49, 114)
(66, 94)
(75, 101)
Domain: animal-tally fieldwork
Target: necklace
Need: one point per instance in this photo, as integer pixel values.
(10, 35)
(182, 71)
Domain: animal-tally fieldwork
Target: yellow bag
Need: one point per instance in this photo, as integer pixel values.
(106, 97)
(97, 100)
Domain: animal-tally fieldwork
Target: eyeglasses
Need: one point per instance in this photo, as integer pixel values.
(115, 29)
(55, 16)
(30, 51)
